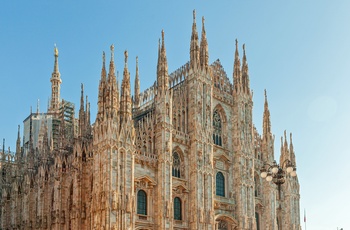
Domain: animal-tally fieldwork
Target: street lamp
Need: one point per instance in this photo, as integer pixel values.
(277, 173)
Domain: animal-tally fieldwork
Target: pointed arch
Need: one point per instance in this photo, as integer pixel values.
(176, 165)
(219, 121)
(178, 168)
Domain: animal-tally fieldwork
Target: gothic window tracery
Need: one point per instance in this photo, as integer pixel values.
(141, 202)
(217, 128)
(176, 165)
(220, 184)
(177, 209)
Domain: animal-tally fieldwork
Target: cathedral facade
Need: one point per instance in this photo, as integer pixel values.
(183, 154)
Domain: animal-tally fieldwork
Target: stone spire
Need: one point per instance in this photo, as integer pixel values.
(162, 75)
(125, 102)
(204, 55)
(137, 85)
(18, 144)
(284, 149)
(267, 135)
(194, 48)
(81, 113)
(55, 84)
(245, 73)
(101, 89)
(3, 147)
(291, 150)
(112, 96)
(237, 71)
(87, 114)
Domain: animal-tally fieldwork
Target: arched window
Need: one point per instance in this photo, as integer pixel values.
(217, 126)
(257, 221)
(177, 209)
(142, 202)
(257, 185)
(176, 165)
(220, 184)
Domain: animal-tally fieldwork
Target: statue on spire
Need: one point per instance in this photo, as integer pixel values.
(126, 56)
(103, 58)
(112, 52)
(55, 50)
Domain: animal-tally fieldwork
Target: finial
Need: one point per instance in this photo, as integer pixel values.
(265, 94)
(103, 57)
(112, 52)
(290, 137)
(243, 49)
(126, 56)
(163, 37)
(194, 16)
(203, 20)
(236, 43)
(137, 60)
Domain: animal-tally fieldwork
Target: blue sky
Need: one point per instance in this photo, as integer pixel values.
(298, 50)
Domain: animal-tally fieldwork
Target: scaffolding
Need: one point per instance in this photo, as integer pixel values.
(63, 124)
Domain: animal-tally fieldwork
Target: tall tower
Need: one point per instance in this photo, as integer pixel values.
(163, 141)
(55, 84)
(201, 149)
(243, 147)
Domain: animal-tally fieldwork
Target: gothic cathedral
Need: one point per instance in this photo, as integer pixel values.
(183, 154)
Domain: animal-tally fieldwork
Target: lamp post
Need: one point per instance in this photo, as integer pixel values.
(277, 173)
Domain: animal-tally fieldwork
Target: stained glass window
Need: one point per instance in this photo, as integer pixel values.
(142, 202)
(220, 184)
(177, 209)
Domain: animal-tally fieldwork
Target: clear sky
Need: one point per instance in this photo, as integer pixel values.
(298, 50)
